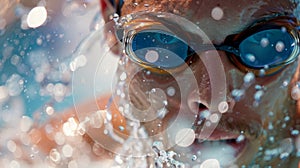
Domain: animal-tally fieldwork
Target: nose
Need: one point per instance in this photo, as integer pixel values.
(211, 83)
(197, 103)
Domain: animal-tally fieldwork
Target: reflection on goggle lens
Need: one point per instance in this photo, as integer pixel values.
(160, 49)
(267, 49)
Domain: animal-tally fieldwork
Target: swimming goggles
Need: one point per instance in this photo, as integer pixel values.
(264, 48)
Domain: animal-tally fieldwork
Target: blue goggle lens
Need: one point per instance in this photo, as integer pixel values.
(160, 49)
(263, 49)
(266, 48)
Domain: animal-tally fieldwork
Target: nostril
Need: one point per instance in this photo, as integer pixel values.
(197, 106)
(203, 112)
(202, 107)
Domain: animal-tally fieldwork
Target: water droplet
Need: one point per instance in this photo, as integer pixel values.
(285, 83)
(39, 41)
(79, 61)
(119, 160)
(161, 113)
(284, 155)
(116, 17)
(96, 119)
(72, 164)
(250, 57)
(152, 56)
(59, 138)
(49, 110)
(262, 72)
(270, 126)
(286, 148)
(67, 150)
(123, 76)
(35, 149)
(238, 94)
(264, 42)
(217, 13)
(157, 146)
(171, 91)
(258, 95)
(283, 29)
(36, 17)
(14, 164)
(25, 123)
(271, 114)
(70, 127)
(148, 73)
(15, 59)
(287, 118)
(223, 107)
(59, 91)
(185, 137)
(205, 114)
(105, 132)
(210, 163)
(194, 157)
(214, 118)
(279, 46)
(240, 138)
(121, 128)
(11, 146)
(249, 77)
(55, 156)
(295, 93)
(295, 132)
(15, 85)
(81, 129)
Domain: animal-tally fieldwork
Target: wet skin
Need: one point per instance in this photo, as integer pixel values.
(243, 117)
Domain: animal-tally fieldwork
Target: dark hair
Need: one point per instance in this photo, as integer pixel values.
(117, 4)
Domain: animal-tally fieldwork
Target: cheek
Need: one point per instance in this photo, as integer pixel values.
(250, 97)
(150, 90)
(277, 96)
(264, 94)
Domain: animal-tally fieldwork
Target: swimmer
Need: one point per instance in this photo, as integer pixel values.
(260, 74)
(223, 76)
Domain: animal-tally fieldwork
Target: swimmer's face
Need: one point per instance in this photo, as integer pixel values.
(261, 111)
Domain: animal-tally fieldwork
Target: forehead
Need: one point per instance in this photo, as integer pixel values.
(217, 18)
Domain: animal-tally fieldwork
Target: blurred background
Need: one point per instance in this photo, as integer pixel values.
(37, 41)
(44, 45)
